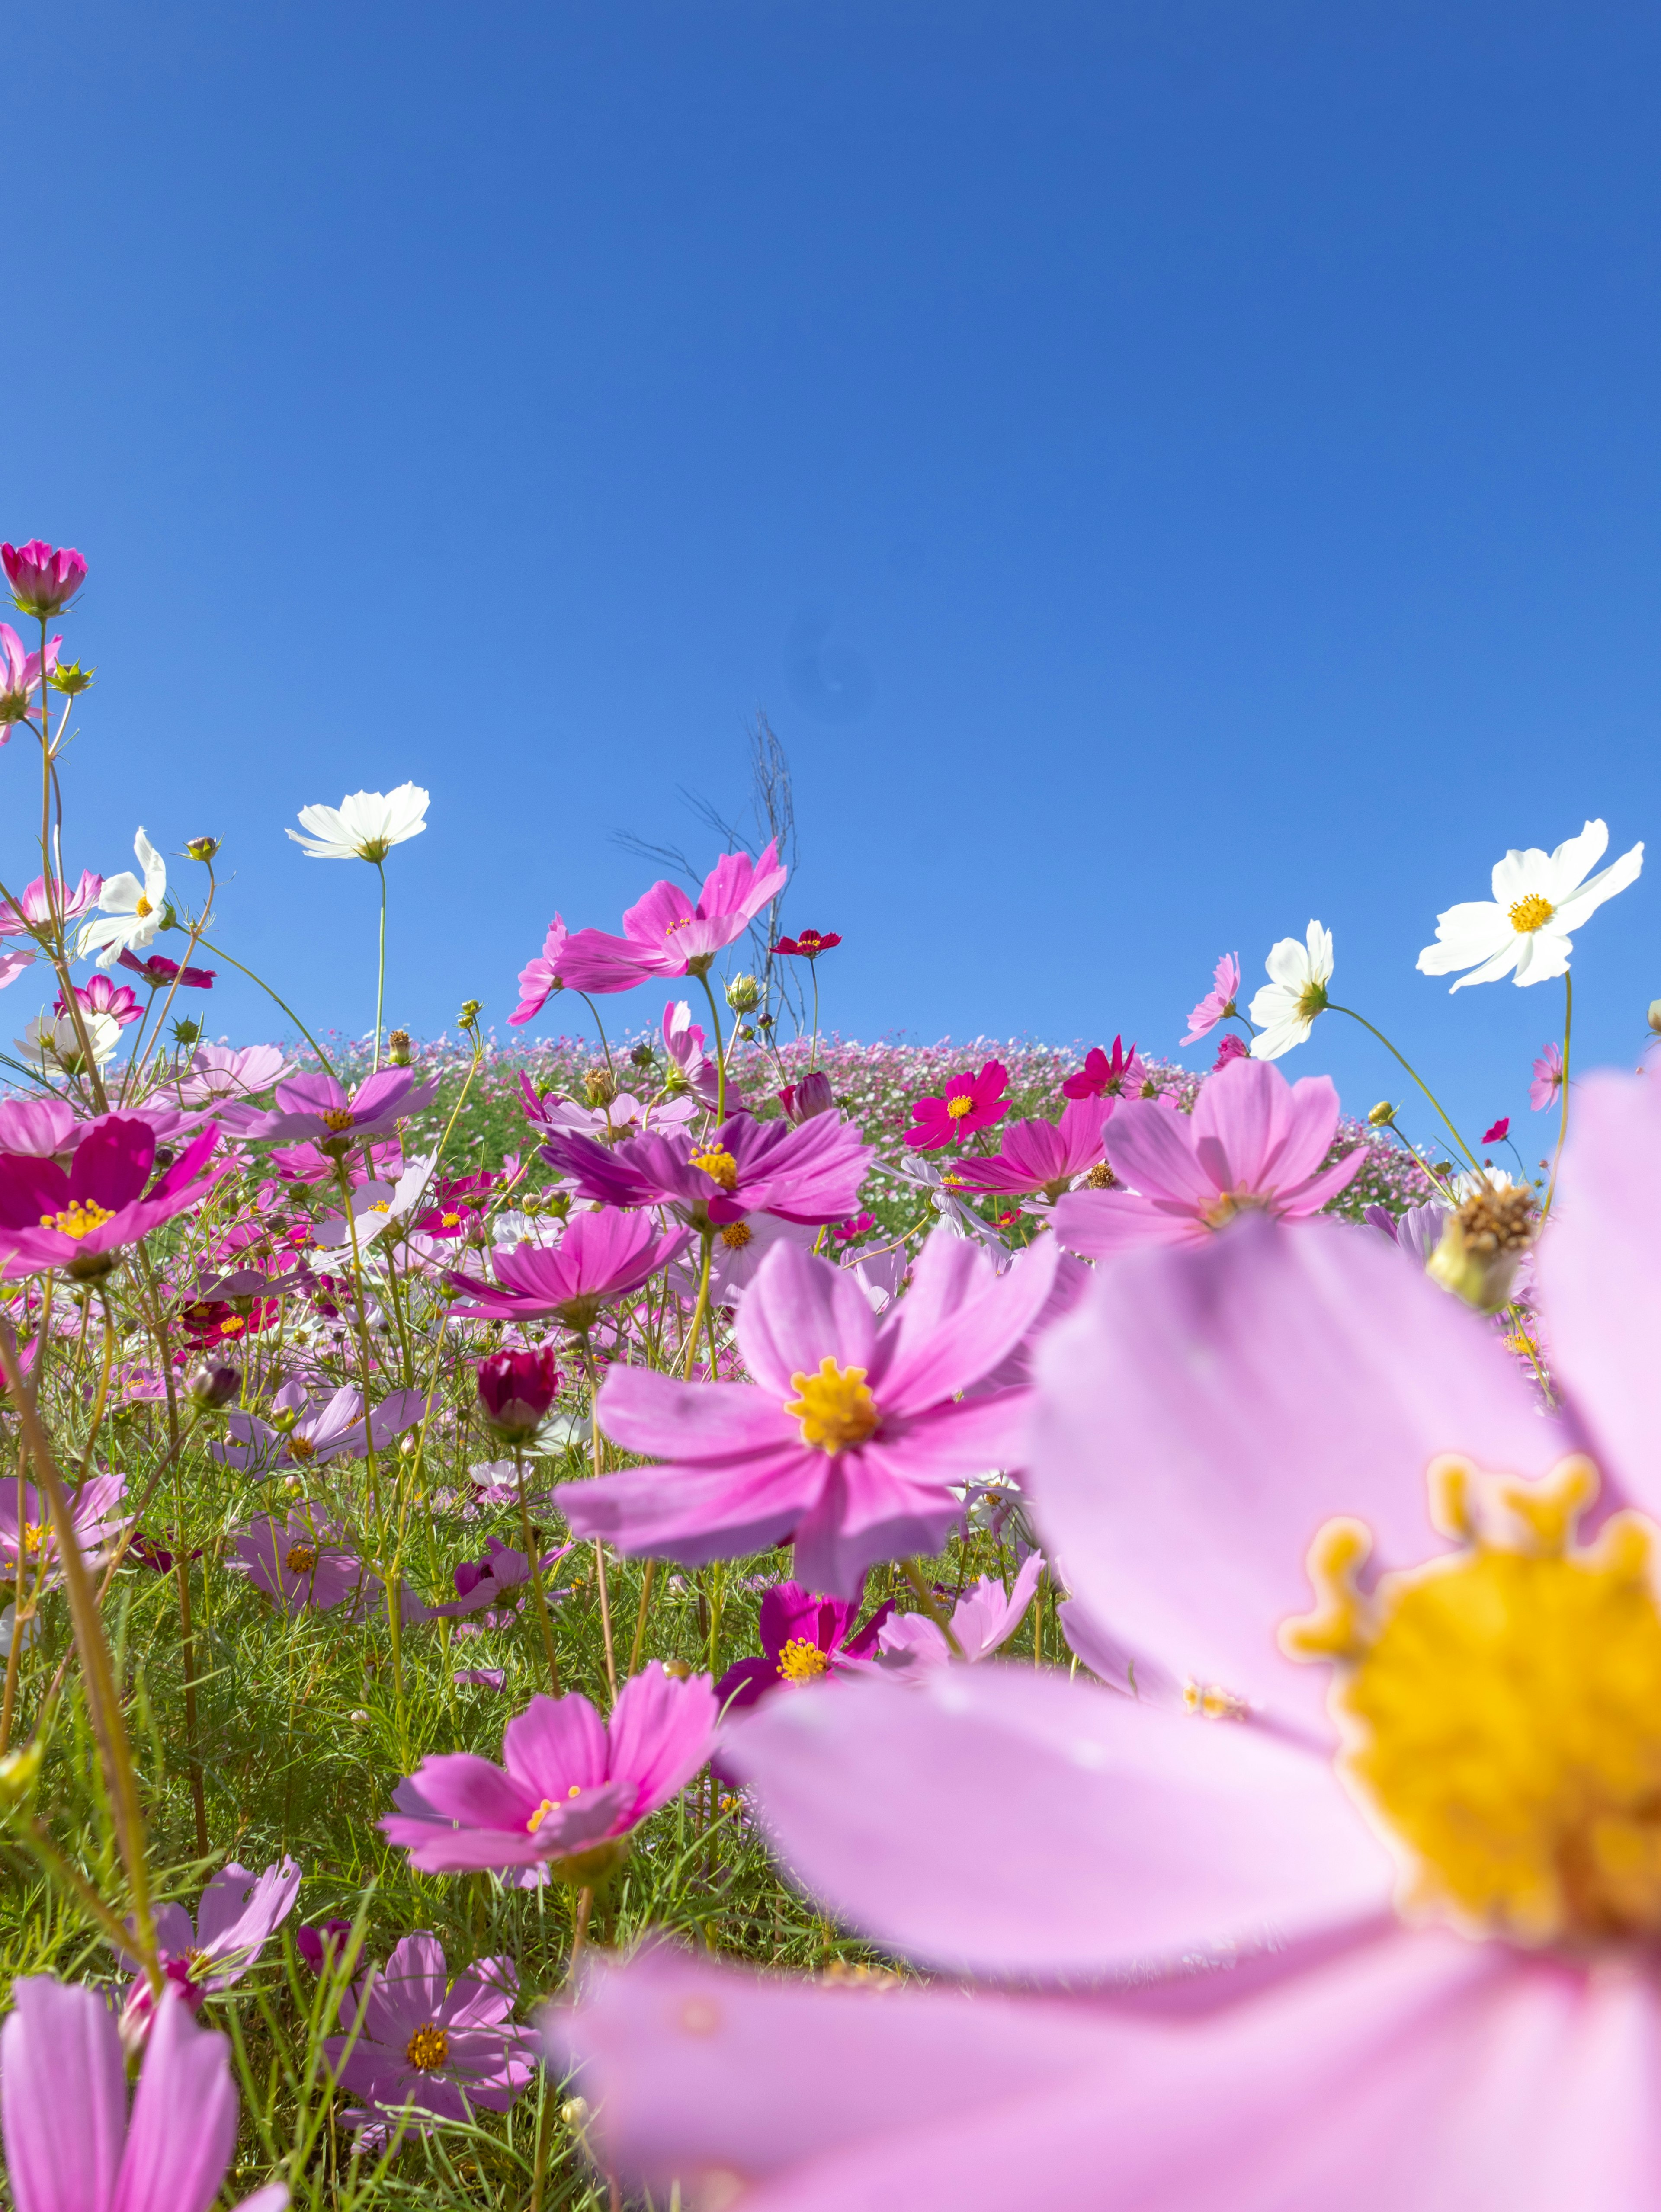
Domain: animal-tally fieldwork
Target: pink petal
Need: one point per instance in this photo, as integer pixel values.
(184, 2118)
(662, 1731)
(554, 1742)
(646, 1412)
(800, 1310)
(695, 1514)
(869, 1510)
(1152, 1150)
(63, 2097)
(958, 1320)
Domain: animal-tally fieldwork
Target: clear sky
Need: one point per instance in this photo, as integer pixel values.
(1166, 471)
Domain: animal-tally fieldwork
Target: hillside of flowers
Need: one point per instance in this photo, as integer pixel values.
(656, 1605)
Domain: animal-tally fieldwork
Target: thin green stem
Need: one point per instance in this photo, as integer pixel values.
(220, 954)
(380, 972)
(1333, 1007)
(533, 1560)
(600, 1029)
(720, 1050)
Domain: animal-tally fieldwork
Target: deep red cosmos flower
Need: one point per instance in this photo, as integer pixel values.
(809, 944)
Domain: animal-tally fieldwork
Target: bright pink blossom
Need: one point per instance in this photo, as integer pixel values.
(418, 2044)
(1217, 1003)
(1042, 1157)
(1547, 1084)
(315, 1108)
(808, 943)
(159, 973)
(43, 578)
(600, 1258)
(1106, 1076)
(1232, 1047)
(850, 1437)
(80, 1219)
(803, 1635)
(33, 913)
(811, 1096)
(236, 1917)
(540, 978)
(1253, 1143)
(968, 1102)
(20, 677)
(665, 935)
(1498, 1133)
(99, 996)
(516, 1390)
(810, 1174)
(568, 1783)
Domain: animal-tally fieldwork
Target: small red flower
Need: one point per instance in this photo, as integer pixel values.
(809, 944)
(159, 973)
(1498, 1133)
(1101, 1077)
(1233, 1046)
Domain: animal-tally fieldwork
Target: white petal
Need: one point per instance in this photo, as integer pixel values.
(1500, 963)
(1542, 957)
(1523, 875)
(1319, 942)
(1572, 910)
(1574, 859)
(1288, 964)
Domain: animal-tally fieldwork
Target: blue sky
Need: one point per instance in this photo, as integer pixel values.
(1166, 472)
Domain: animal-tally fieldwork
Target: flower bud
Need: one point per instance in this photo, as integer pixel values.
(210, 1386)
(1381, 1116)
(802, 1101)
(398, 1048)
(468, 1017)
(598, 1086)
(743, 995)
(516, 1390)
(321, 1947)
(201, 848)
(1654, 1015)
(71, 679)
(1483, 1243)
(187, 1031)
(643, 1055)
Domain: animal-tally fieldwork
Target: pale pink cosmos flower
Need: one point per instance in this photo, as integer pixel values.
(1355, 1903)
(683, 1040)
(235, 1917)
(33, 911)
(851, 1436)
(315, 1109)
(1042, 1159)
(293, 1562)
(309, 1432)
(20, 677)
(665, 935)
(569, 1784)
(1253, 1143)
(600, 1257)
(1547, 1084)
(1217, 1003)
(217, 1072)
(70, 2145)
(983, 1620)
(29, 1545)
(12, 965)
(540, 978)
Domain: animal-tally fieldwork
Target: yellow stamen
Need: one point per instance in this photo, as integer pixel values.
(450, 1220)
(802, 1662)
(338, 1117)
(78, 1218)
(737, 1235)
(302, 1448)
(302, 1559)
(143, 908)
(427, 2048)
(1530, 914)
(720, 1166)
(957, 1108)
(834, 1407)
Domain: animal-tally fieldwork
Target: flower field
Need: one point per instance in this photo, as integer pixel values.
(723, 1618)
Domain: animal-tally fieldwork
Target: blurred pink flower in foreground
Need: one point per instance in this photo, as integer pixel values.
(570, 1785)
(968, 1102)
(43, 578)
(1103, 1076)
(1253, 1143)
(540, 978)
(1547, 1084)
(1354, 1902)
(1217, 1003)
(418, 2044)
(665, 934)
(235, 1918)
(70, 2146)
(1041, 1158)
(216, 1073)
(600, 1258)
(850, 1437)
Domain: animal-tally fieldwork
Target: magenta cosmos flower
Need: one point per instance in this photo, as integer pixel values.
(295, 1565)
(804, 1635)
(1218, 1004)
(419, 2044)
(516, 1390)
(29, 1543)
(1547, 1072)
(665, 934)
(968, 1102)
(809, 1174)
(70, 2144)
(315, 1108)
(851, 1436)
(600, 1258)
(80, 1218)
(1041, 1158)
(540, 978)
(20, 677)
(43, 578)
(1365, 1878)
(159, 974)
(808, 945)
(99, 996)
(570, 1786)
(1253, 1143)
(237, 1915)
(1105, 1075)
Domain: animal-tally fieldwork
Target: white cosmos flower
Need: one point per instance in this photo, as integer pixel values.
(129, 913)
(365, 826)
(50, 1040)
(1284, 1007)
(1538, 898)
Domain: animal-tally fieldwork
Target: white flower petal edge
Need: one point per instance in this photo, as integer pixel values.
(129, 911)
(1284, 1007)
(1538, 898)
(365, 826)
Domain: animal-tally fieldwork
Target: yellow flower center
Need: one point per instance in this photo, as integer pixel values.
(338, 1117)
(737, 1235)
(143, 908)
(302, 1448)
(802, 1662)
(720, 1166)
(427, 2048)
(78, 1218)
(233, 1326)
(1501, 1706)
(379, 1205)
(957, 1108)
(547, 1806)
(197, 1963)
(834, 1407)
(35, 1533)
(681, 921)
(450, 1220)
(302, 1559)
(1530, 914)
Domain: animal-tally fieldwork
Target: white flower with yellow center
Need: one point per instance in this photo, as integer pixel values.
(1285, 1008)
(365, 826)
(1538, 898)
(51, 1041)
(129, 911)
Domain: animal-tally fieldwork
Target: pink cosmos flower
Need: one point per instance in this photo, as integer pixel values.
(850, 1438)
(418, 2044)
(804, 1635)
(516, 1390)
(309, 1432)
(12, 965)
(540, 978)
(1547, 1083)
(70, 2144)
(32, 913)
(216, 1073)
(295, 1566)
(28, 1544)
(159, 973)
(812, 1174)
(1253, 1143)
(315, 1108)
(43, 578)
(983, 1620)
(808, 945)
(811, 1096)
(99, 996)
(80, 1219)
(321, 1948)
(1039, 1157)
(1105, 1076)
(235, 1918)
(1217, 1003)
(20, 677)
(480, 1583)
(968, 1102)
(600, 1257)
(1232, 1046)
(1498, 1133)
(683, 1040)
(568, 1785)
(665, 934)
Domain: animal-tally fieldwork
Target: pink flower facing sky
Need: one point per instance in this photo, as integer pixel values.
(20, 677)
(849, 1438)
(1547, 1072)
(600, 1258)
(235, 1918)
(570, 1786)
(310, 1431)
(315, 1109)
(32, 913)
(215, 1073)
(296, 1566)
(665, 934)
(804, 1635)
(1366, 1880)
(1253, 1143)
(70, 2146)
(810, 1174)
(1042, 1159)
(418, 2044)
(44, 578)
(1105, 1075)
(1218, 1004)
(539, 979)
(99, 996)
(80, 1218)
(968, 1102)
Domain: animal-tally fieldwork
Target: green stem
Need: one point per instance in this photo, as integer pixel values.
(599, 1027)
(721, 1051)
(381, 972)
(1333, 1008)
(220, 954)
(533, 1561)
(1563, 1118)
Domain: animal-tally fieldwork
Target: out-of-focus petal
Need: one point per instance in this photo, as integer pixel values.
(63, 2097)
(184, 2118)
